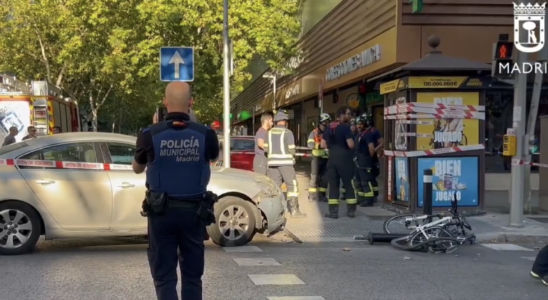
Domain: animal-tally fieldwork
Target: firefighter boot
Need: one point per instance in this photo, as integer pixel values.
(333, 211)
(312, 196)
(351, 210)
(368, 202)
(360, 198)
(322, 197)
(293, 208)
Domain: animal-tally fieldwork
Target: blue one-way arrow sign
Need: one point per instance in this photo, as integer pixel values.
(177, 64)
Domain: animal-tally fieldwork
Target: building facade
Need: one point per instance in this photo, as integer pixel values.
(360, 40)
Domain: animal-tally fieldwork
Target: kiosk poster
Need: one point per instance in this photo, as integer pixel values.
(452, 177)
(14, 114)
(402, 179)
(444, 133)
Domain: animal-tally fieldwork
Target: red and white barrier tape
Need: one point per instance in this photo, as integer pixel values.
(456, 115)
(517, 162)
(438, 106)
(423, 135)
(433, 152)
(62, 164)
(414, 122)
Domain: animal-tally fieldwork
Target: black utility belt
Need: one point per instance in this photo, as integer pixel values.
(183, 204)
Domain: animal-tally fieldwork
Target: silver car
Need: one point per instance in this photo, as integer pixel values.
(81, 185)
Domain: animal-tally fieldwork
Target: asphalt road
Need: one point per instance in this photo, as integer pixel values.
(116, 268)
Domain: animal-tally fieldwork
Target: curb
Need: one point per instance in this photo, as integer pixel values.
(505, 237)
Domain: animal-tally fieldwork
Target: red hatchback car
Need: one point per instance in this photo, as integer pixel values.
(242, 152)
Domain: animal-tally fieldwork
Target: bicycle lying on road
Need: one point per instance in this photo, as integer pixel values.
(439, 233)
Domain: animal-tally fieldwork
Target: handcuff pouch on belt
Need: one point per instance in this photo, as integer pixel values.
(155, 203)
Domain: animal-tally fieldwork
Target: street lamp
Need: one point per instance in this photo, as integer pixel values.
(272, 78)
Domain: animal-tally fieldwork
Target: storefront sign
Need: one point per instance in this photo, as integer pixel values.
(454, 177)
(445, 133)
(391, 86)
(436, 82)
(354, 63)
(293, 91)
(402, 179)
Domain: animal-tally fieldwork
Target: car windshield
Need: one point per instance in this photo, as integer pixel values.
(12, 147)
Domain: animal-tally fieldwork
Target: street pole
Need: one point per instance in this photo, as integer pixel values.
(520, 105)
(531, 123)
(226, 89)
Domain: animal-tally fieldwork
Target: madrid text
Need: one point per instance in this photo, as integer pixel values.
(186, 150)
(444, 136)
(524, 68)
(446, 173)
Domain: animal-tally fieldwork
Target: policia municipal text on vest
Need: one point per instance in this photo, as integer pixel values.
(364, 161)
(317, 186)
(280, 148)
(340, 142)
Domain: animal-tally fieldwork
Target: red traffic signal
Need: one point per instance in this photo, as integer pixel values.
(504, 50)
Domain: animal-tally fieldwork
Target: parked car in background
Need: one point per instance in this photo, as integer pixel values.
(242, 151)
(82, 185)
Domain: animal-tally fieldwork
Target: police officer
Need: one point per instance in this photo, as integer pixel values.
(260, 163)
(364, 161)
(318, 182)
(280, 148)
(178, 211)
(339, 141)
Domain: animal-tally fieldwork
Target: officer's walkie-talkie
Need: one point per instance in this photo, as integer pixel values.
(161, 111)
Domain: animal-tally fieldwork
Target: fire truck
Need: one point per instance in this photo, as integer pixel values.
(39, 104)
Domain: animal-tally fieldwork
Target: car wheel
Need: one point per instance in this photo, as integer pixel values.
(234, 222)
(20, 228)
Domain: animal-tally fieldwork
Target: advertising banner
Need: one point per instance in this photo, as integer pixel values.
(14, 114)
(452, 177)
(402, 179)
(448, 132)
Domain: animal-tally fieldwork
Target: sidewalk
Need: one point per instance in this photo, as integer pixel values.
(316, 228)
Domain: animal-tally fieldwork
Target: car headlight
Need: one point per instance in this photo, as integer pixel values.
(267, 186)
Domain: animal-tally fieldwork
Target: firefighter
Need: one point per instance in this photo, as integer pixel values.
(280, 148)
(318, 182)
(354, 133)
(365, 161)
(338, 139)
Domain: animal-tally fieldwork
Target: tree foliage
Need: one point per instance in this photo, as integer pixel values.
(104, 53)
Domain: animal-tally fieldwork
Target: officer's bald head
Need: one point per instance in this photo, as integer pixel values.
(177, 97)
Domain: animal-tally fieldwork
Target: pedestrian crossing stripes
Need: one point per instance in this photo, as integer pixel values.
(267, 279)
(506, 247)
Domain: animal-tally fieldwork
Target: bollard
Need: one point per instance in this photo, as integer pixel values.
(383, 237)
(427, 192)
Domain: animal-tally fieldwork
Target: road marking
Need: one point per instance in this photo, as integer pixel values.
(297, 298)
(242, 249)
(506, 247)
(255, 262)
(531, 258)
(275, 279)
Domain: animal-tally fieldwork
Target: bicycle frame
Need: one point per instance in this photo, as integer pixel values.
(440, 222)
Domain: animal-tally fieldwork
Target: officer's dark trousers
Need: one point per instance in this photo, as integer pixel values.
(318, 181)
(340, 168)
(285, 174)
(364, 177)
(178, 229)
(260, 164)
(540, 266)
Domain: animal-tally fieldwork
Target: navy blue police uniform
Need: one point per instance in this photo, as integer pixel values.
(376, 136)
(177, 153)
(340, 167)
(354, 133)
(364, 163)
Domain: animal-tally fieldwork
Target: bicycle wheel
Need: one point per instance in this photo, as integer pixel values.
(443, 245)
(401, 243)
(422, 242)
(403, 223)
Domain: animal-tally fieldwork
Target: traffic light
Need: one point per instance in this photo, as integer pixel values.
(502, 58)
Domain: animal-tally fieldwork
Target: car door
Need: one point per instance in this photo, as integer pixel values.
(128, 188)
(77, 191)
